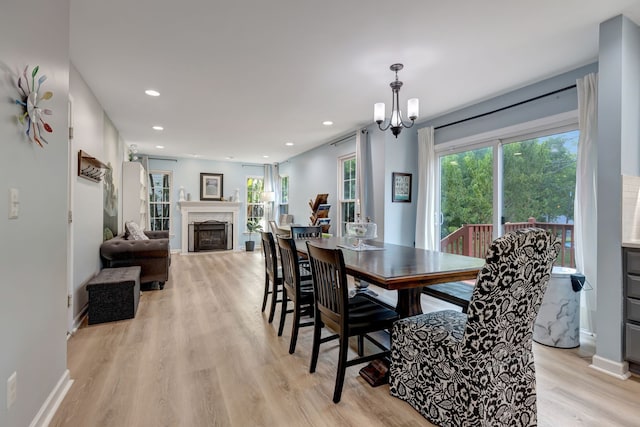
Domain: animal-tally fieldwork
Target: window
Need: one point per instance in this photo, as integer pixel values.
(347, 191)
(509, 184)
(255, 206)
(284, 195)
(160, 200)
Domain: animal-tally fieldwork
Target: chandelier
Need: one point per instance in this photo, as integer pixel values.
(396, 123)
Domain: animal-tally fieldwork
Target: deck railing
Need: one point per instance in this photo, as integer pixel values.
(474, 239)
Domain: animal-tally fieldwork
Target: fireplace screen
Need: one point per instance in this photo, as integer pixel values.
(210, 236)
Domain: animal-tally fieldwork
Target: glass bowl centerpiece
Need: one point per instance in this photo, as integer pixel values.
(361, 231)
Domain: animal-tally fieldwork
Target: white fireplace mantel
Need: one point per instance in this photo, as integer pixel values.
(190, 208)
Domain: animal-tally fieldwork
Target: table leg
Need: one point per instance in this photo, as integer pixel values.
(409, 302)
(377, 372)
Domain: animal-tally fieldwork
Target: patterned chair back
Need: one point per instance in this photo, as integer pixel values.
(509, 291)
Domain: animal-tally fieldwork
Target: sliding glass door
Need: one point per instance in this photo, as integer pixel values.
(466, 198)
(539, 181)
(505, 185)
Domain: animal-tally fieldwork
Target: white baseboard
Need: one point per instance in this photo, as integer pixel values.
(50, 406)
(619, 370)
(77, 321)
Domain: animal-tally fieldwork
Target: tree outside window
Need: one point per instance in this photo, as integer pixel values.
(160, 200)
(255, 206)
(347, 191)
(284, 195)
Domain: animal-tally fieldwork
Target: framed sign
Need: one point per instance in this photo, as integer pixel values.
(401, 187)
(210, 186)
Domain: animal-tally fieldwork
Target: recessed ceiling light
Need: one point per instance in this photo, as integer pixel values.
(160, 146)
(265, 157)
(195, 155)
(288, 144)
(327, 123)
(158, 128)
(229, 157)
(152, 92)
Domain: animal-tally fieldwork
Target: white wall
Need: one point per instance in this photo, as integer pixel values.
(33, 256)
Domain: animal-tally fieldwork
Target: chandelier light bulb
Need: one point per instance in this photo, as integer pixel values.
(378, 112)
(413, 107)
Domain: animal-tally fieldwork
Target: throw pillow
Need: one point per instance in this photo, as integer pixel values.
(134, 231)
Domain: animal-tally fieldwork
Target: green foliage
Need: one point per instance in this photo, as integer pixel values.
(253, 227)
(467, 189)
(539, 181)
(255, 187)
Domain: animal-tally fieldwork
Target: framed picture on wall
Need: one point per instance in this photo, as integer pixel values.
(210, 186)
(401, 187)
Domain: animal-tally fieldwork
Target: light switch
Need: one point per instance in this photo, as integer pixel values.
(14, 203)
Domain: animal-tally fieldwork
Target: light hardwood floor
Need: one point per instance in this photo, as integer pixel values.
(201, 353)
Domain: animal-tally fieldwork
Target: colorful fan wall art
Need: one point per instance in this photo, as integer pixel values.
(32, 116)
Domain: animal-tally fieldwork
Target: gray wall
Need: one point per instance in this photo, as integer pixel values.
(398, 155)
(95, 134)
(314, 172)
(544, 107)
(618, 130)
(33, 257)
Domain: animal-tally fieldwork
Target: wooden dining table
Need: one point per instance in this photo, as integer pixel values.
(402, 268)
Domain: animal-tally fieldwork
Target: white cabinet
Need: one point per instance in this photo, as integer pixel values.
(134, 194)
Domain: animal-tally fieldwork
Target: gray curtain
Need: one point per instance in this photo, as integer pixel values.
(364, 176)
(268, 186)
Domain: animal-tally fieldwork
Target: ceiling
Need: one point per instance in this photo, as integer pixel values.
(239, 79)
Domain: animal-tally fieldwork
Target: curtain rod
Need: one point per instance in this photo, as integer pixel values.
(171, 159)
(535, 98)
(343, 138)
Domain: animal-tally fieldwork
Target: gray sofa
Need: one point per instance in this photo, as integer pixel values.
(153, 255)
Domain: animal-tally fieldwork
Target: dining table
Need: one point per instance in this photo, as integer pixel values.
(405, 269)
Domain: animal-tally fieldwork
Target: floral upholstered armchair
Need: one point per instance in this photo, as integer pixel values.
(477, 369)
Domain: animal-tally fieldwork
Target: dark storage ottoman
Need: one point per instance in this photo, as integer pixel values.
(114, 294)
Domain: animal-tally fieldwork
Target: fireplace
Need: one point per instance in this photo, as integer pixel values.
(201, 211)
(211, 235)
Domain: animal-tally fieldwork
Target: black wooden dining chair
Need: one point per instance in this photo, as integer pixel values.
(297, 288)
(357, 316)
(306, 231)
(276, 230)
(272, 274)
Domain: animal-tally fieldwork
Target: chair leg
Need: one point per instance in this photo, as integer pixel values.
(294, 328)
(274, 300)
(266, 292)
(360, 345)
(342, 367)
(317, 329)
(283, 311)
